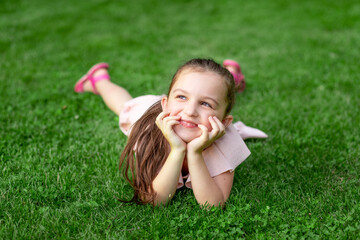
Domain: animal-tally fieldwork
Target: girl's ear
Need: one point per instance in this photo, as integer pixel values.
(227, 120)
(164, 100)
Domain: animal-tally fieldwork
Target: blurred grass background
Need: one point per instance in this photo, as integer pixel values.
(59, 150)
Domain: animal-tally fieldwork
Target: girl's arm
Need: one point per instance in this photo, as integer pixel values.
(166, 181)
(207, 190)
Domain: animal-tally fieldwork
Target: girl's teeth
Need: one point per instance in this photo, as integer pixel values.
(187, 124)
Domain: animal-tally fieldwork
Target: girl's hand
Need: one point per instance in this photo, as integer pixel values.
(165, 123)
(198, 144)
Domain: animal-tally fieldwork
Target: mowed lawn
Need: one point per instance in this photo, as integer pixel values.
(59, 151)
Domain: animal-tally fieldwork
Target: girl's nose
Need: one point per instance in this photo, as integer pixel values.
(190, 109)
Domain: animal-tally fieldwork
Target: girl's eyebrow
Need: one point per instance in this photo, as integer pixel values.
(210, 98)
(204, 97)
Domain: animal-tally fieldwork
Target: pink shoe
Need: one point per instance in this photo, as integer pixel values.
(79, 86)
(238, 77)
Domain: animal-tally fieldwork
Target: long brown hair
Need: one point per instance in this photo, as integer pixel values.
(147, 149)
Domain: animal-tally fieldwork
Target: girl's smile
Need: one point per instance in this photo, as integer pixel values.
(187, 124)
(194, 97)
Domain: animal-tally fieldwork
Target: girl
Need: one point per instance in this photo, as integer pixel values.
(184, 134)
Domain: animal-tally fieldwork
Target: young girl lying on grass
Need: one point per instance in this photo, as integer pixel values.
(186, 134)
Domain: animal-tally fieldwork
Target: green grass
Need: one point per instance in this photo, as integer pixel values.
(59, 151)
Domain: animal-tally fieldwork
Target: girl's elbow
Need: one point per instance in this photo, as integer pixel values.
(162, 199)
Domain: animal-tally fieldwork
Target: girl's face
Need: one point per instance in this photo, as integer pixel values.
(195, 96)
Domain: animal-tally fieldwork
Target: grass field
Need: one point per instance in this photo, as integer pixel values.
(59, 150)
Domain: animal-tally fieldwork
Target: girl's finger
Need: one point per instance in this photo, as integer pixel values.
(161, 120)
(218, 128)
(161, 116)
(171, 117)
(220, 124)
(215, 128)
(166, 119)
(205, 131)
(169, 124)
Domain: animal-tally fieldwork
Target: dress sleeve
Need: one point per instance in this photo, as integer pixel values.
(225, 154)
(134, 109)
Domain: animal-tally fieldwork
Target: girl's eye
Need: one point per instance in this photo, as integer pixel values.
(181, 97)
(206, 104)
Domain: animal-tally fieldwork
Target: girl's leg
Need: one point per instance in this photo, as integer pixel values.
(113, 95)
